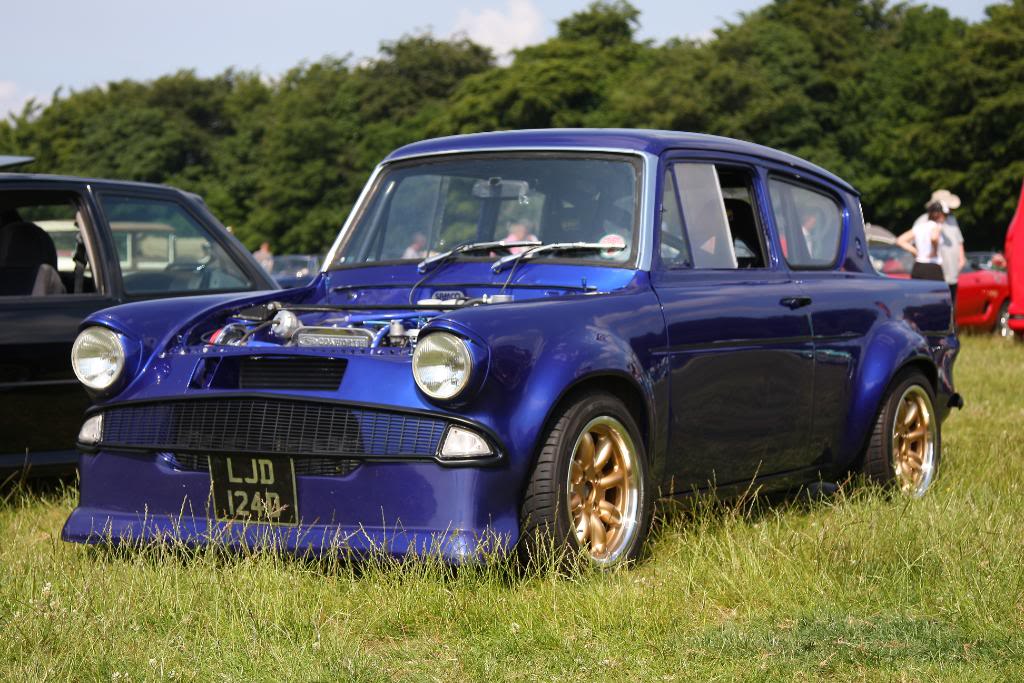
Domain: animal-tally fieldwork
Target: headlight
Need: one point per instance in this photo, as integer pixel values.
(97, 357)
(441, 365)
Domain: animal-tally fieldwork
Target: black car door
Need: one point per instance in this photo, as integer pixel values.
(41, 402)
(740, 354)
(165, 245)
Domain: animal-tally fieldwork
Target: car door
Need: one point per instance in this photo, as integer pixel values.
(813, 220)
(41, 402)
(740, 355)
(166, 246)
(140, 243)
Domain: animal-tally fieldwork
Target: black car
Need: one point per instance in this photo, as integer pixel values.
(72, 246)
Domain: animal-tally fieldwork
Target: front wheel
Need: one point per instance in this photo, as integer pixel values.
(905, 446)
(1002, 328)
(589, 491)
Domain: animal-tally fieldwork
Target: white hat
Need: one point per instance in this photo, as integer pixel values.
(950, 201)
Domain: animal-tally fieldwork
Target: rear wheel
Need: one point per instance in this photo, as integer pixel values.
(905, 446)
(588, 492)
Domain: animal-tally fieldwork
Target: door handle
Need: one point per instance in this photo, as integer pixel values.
(795, 302)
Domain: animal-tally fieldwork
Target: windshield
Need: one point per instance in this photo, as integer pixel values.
(985, 260)
(429, 206)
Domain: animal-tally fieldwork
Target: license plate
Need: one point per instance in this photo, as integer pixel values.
(247, 489)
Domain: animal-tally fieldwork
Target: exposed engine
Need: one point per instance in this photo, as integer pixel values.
(278, 324)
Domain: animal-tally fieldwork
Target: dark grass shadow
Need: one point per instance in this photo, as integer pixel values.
(19, 489)
(709, 510)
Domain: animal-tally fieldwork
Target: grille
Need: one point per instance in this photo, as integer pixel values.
(320, 467)
(269, 426)
(313, 374)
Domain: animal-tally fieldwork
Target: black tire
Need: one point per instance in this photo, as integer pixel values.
(546, 524)
(880, 462)
(1002, 328)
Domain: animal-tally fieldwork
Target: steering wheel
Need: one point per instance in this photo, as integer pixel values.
(193, 267)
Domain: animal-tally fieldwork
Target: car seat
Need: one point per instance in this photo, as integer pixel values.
(743, 227)
(28, 261)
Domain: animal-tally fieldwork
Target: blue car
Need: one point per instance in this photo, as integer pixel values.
(524, 338)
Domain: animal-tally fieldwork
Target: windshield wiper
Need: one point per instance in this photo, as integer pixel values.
(436, 259)
(500, 264)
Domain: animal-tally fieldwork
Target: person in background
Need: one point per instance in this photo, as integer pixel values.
(951, 249)
(923, 240)
(812, 226)
(265, 257)
(520, 231)
(948, 199)
(951, 246)
(417, 248)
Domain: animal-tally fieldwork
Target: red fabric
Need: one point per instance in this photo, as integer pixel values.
(1015, 262)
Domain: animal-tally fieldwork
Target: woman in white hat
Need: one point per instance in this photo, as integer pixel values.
(951, 240)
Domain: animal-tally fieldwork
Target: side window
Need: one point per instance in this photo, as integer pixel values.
(162, 249)
(720, 216)
(810, 224)
(45, 246)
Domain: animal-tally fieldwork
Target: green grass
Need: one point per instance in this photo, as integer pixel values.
(861, 587)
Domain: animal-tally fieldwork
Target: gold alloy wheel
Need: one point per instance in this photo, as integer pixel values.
(913, 442)
(603, 489)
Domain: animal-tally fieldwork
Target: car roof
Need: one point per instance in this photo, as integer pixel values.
(613, 139)
(47, 177)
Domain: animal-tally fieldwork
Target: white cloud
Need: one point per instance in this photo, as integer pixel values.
(12, 99)
(705, 36)
(520, 23)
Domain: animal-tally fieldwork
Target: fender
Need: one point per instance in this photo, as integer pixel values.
(891, 347)
(531, 370)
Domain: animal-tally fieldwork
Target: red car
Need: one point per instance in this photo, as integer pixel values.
(1015, 256)
(983, 288)
(983, 294)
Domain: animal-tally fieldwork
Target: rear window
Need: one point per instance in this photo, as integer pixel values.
(809, 222)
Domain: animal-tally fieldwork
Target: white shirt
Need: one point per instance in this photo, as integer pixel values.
(926, 251)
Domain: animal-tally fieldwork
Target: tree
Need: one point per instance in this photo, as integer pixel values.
(899, 99)
(562, 82)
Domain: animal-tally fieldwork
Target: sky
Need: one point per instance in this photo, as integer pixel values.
(69, 44)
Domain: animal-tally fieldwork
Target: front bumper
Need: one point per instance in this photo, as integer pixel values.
(397, 508)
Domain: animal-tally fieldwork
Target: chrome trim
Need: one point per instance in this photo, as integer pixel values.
(648, 186)
(347, 225)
